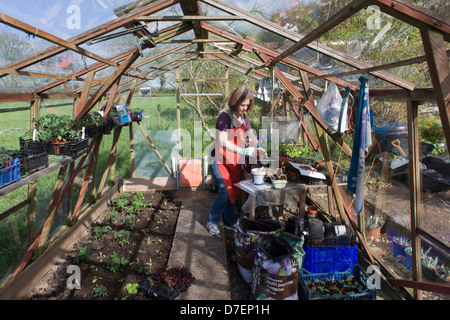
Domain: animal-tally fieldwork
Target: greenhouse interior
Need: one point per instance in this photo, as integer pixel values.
(109, 113)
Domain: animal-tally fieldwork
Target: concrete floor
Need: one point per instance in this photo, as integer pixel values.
(193, 247)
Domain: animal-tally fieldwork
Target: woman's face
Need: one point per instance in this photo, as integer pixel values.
(243, 106)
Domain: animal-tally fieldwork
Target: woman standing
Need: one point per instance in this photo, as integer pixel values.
(231, 128)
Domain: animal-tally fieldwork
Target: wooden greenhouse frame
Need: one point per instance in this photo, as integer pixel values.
(434, 30)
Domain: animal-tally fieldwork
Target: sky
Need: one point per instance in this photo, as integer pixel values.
(67, 18)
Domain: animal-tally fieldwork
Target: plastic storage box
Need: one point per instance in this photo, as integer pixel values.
(307, 293)
(10, 174)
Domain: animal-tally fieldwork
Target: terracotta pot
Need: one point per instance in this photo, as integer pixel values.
(311, 211)
(373, 234)
(57, 145)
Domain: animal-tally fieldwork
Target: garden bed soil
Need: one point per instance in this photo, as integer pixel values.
(146, 249)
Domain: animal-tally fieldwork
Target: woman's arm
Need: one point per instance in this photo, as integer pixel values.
(222, 140)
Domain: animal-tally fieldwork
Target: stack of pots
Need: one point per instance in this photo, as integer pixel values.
(315, 225)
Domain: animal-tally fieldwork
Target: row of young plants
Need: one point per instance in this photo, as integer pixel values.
(120, 224)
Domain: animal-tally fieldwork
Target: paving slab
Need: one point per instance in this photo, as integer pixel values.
(193, 247)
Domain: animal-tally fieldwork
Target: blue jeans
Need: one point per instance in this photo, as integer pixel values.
(221, 205)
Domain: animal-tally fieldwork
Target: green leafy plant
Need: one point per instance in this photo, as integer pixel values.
(99, 232)
(129, 221)
(92, 119)
(115, 262)
(131, 288)
(52, 127)
(84, 253)
(122, 236)
(109, 216)
(100, 291)
(5, 156)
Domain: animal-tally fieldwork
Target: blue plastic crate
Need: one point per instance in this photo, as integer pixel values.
(11, 173)
(122, 119)
(137, 115)
(319, 259)
(305, 293)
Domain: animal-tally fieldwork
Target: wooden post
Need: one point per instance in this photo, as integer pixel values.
(437, 60)
(111, 158)
(325, 152)
(130, 128)
(32, 195)
(415, 187)
(87, 177)
(177, 76)
(52, 209)
(227, 84)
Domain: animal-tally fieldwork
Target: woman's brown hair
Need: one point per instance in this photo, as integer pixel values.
(239, 95)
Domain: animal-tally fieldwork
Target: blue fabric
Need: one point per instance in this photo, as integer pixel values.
(361, 141)
(221, 205)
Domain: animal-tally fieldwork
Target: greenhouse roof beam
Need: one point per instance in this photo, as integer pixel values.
(415, 15)
(250, 45)
(329, 24)
(381, 67)
(323, 49)
(108, 84)
(192, 7)
(91, 34)
(190, 18)
(17, 24)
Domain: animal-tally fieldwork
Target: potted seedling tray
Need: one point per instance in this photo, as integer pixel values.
(69, 148)
(159, 291)
(348, 285)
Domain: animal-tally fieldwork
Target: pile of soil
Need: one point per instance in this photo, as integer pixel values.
(141, 239)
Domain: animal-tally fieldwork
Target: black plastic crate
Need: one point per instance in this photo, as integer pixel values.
(331, 239)
(159, 291)
(31, 147)
(69, 148)
(93, 131)
(29, 163)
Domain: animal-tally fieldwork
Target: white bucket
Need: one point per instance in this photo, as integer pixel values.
(258, 175)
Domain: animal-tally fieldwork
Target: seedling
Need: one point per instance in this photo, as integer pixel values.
(131, 288)
(129, 221)
(100, 291)
(123, 236)
(99, 232)
(111, 215)
(116, 262)
(84, 253)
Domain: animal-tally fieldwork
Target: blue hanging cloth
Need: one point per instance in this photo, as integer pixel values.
(362, 140)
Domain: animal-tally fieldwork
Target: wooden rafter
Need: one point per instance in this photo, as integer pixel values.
(415, 15)
(311, 108)
(74, 76)
(250, 45)
(107, 84)
(333, 21)
(91, 34)
(397, 64)
(192, 7)
(438, 66)
(17, 24)
(190, 18)
(321, 48)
